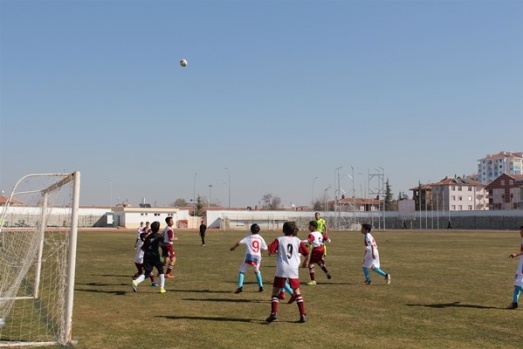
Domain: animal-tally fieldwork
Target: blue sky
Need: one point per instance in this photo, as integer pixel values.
(277, 92)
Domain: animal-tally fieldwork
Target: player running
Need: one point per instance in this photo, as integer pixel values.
(151, 257)
(316, 242)
(372, 256)
(255, 245)
(168, 252)
(518, 279)
(287, 249)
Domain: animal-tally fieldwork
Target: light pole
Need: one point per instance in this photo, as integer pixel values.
(110, 192)
(229, 179)
(336, 193)
(325, 200)
(313, 180)
(194, 193)
(210, 194)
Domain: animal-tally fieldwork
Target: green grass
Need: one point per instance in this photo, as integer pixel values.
(449, 290)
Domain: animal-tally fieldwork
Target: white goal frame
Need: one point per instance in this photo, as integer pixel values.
(9, 294)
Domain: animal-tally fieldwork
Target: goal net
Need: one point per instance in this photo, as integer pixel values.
(38, 230)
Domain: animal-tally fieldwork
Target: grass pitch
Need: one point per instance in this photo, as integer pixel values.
(449, 289)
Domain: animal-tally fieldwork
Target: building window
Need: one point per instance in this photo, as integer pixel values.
(470, 207)
(460, 198)
(470, 188)
(459, 188)
(453, 198)
(470, 198)
(460, 208)
(453, 207)
(511, 182)
(502, 182)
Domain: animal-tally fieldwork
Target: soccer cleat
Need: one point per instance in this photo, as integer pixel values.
(303, 318)
(311, 283)
(387, 279)
(292, 299)
(134, 285)
(162, 290)
(154, 284)
(329, 276)
(239, 290)
(513, 306)
(281, 295)
(169, 276)
(367, 282)
(271, 317)
(260, 289)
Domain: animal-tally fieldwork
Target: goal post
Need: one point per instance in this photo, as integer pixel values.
(38, 237)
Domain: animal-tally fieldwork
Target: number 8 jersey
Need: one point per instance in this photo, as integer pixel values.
(288, 250)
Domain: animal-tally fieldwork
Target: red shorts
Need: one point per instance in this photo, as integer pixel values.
(280, 282)
(168, 251)
(317, 256)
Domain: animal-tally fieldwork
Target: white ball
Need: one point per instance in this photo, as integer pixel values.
(183, 62)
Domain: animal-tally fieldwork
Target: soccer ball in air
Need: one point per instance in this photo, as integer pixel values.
(183, 62)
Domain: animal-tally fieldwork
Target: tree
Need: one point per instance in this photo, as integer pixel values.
(199, 206)
(271, 202)
(317, 205)
(388, 196)
(180, 203)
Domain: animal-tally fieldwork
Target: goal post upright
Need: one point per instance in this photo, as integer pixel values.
(38, 260)
(67, 335)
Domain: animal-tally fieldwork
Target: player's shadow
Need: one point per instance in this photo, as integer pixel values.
(220, 319)
(452, 305)
(199, 291)
(225, 300)
(116, 293)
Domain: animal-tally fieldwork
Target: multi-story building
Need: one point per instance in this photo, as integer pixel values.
(452, 194)
(506, 192)
(492, 166)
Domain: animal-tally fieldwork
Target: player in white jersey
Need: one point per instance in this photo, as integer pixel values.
(138, 259)
(255, 245)
(372, 257)
(287, 249)
(138, 232)
(168, 251)
(518, 279)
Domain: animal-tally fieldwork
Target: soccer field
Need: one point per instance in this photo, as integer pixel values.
(449, 290)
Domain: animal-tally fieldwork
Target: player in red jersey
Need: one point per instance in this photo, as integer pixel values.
(316, 242)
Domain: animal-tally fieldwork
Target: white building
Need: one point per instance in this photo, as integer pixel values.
(492, 166)
(458, 194)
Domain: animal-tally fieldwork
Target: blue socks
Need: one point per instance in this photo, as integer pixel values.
(241, 277)
(377, 270)
(366, 273)
(517, 291)
(259, 279)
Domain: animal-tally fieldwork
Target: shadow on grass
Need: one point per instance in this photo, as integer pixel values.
(116, 293)
(225, 300)
(221, 319)
(452, 305)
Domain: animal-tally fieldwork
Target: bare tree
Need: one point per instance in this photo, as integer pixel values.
(271, 202)
(180, 203)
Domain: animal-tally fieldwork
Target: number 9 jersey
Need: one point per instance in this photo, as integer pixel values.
(288, 250)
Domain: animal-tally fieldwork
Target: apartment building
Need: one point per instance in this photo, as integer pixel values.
(492, 166)
(452, 194)
(506, 192)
